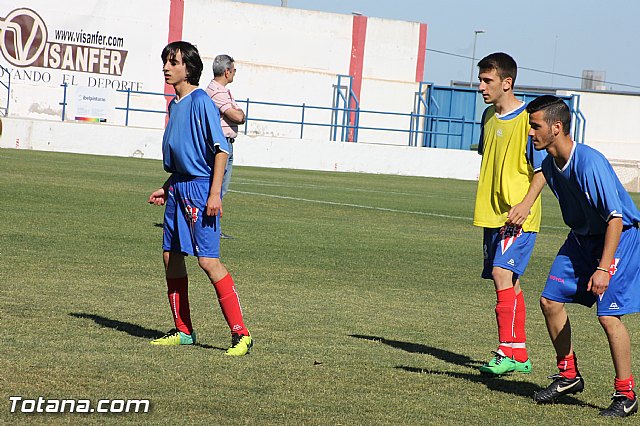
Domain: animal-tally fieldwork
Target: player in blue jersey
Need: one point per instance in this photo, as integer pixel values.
(194, 151)
(599, 263)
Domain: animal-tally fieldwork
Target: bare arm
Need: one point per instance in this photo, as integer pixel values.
(235, 115)
(599, 281)
(519, 213)
(214, 202)
(159, 196)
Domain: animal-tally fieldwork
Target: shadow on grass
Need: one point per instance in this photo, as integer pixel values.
(158, 225)
(500, 384)
(131, 329)
(444, 355)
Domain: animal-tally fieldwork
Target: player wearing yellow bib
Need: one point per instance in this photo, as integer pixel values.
(507, 206)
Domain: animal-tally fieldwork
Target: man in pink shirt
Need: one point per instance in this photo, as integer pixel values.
(230, 114)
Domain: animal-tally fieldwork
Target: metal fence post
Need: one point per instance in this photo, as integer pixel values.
(64, 99)
(302, 121)
(126, 117)
(8, 87)
(246, 118)
(411, 134)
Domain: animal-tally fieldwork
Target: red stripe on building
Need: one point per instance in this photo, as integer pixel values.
(422, 50)
(176, 17)
(176, 22)
(358, 38)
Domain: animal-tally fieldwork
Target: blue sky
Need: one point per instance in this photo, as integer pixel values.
(561, 36)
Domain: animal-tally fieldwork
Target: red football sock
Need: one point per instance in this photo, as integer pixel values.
(519, 337)
(505, 312)
(178, 292)
(568, 366)
(230, 304)
(625, 387)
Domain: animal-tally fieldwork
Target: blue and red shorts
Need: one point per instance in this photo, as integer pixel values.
(509, 248)
(187, 228)
(576, 262)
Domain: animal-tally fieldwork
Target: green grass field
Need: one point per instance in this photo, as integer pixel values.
(362, 292)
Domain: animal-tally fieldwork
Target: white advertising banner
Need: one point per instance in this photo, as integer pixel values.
(112, 45)
(93, 104)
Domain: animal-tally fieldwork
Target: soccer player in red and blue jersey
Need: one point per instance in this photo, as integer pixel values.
(599, 263)
(194, 151)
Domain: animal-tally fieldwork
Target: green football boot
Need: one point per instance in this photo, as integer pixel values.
(499, 365)
(175, 338)
(240, 345)
(523, 367)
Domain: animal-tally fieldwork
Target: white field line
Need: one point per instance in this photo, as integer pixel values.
(379, 191)
(359, 206)
(333, 203)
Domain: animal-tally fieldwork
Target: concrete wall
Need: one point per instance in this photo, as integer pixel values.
(293, 56)
(90, 138)
(265, 151)
(81, 138)
(283, 55)
(612, 124)
(388, 82)
(133, 33)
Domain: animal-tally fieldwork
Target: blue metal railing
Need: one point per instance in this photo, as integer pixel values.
(442, 129)
(578, 119)
(128, 107)
(345, 96)
(344, 126)
(420, 108)
(428, 124)
(431, 125)
(7, 85)
(303, 108)
(346, 120)
(64, 100)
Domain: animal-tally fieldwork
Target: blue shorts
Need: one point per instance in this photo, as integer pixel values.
(508, 248)
(575, 264)
(187, 229)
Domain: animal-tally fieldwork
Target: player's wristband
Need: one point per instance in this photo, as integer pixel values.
(602, 269)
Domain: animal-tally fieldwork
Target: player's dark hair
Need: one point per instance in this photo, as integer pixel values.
(504, 65)
(190, 57)
(222, 63)
(554, 108)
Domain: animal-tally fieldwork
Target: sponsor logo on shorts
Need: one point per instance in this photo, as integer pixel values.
(192, 214)
(558, 279)
(511, 262)
(614, 306)
(508, 234)
(614, 266)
